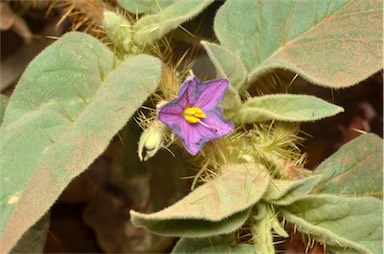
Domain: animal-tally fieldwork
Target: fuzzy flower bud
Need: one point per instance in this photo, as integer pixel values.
(119, 30)
(151, 140)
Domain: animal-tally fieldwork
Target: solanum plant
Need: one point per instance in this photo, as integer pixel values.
(250, 183)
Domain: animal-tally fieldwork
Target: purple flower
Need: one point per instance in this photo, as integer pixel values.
(195, 115)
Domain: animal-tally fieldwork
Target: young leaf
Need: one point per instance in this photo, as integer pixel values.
(261, 229)
(64, 111)
(153, 27)
(285, 192)
(33, 241)
(3, 105)
(285, 107)
(330, 43)
(355, 169)
(264, 220)
(214, 244)
(149, 6)
(227, 64)
(236, 189)
(344, 224)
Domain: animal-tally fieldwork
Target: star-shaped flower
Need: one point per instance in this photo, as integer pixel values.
(195, 115)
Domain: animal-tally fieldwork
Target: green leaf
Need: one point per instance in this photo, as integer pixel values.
(285, 107)
(264, 219)
(285, 192)
(261, 229)
(355, 169)
(278, 227)
(64, 111)
(3, 105)
(190, 227)
(227, 64)
(149, 6)
(231, 103)
(153, 27)
(235, 190)
(330, 43)
(214, 244)
(33, 241)
(343, 224)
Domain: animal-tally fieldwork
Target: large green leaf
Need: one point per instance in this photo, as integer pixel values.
(235, 190)
(355, 169)
(215, 244)
(331, 43)
(346, 225)
(3, 105)
(68, 105)
(33, 241)
(285, 107)
(153, 27)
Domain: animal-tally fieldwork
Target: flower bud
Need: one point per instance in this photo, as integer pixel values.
(151, 140)
(119, 30)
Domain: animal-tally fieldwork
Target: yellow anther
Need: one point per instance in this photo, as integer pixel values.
(193, 114)
(191, 119)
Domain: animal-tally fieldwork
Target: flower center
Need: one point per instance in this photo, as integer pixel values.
(193, 114)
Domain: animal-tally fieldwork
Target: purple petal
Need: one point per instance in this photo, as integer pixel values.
(206, 96)
(186, 131)
(170, 119)
(191, 138)
(191, 90)
(171, 114)
(212, 94)
(173, 107)
(212, 127)
(174, 121)
(187, 96)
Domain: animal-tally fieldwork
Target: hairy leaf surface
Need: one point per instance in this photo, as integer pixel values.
(153, 27)
(67, 106)
(33, 241)
(285, 107)
(355, 169)
(191, 227)
(3, 105)
(235, 190)
(227, 64)
(345, 225)
(214, 244)
(285, 192)
(330, 43)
